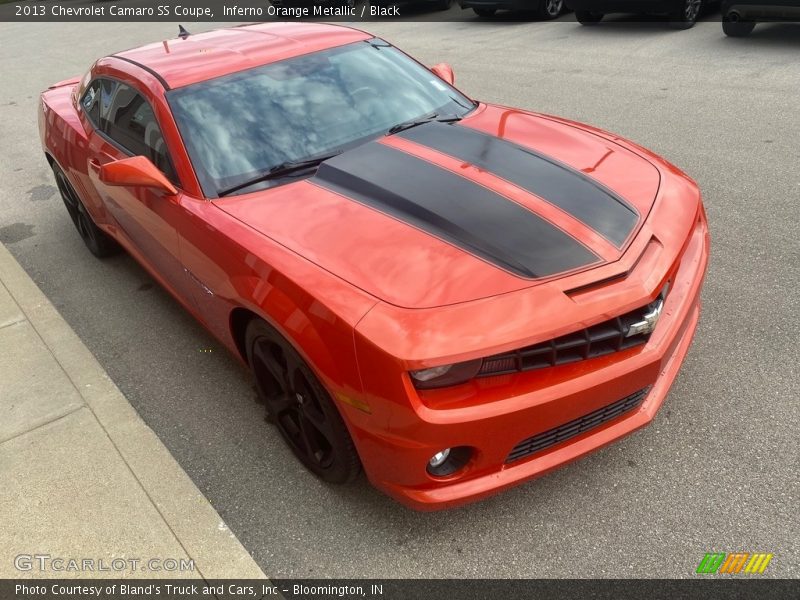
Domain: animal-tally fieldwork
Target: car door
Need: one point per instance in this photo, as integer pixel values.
(149, 220)
(95, 101)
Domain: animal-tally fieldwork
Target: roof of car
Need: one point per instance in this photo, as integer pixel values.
(185, 60)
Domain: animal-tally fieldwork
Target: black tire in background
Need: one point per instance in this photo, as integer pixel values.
(485, 12)
(737, 28)
(96, 240)
(300, 407)
(585, 17)
(443, 4)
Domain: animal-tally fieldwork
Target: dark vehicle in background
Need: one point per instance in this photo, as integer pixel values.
(740, 17)
(349, 4)
(434, 4)
(682, 13)
(543, 9)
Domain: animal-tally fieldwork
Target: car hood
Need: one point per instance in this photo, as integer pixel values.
(447, 213)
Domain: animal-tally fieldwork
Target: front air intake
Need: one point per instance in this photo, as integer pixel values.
(537, 443)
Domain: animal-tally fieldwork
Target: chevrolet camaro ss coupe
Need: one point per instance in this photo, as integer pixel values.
(452, 295)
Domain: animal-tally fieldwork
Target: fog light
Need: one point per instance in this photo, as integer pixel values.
(439, 458)
(449, 461)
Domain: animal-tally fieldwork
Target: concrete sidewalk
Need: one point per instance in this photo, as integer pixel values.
(82, 477)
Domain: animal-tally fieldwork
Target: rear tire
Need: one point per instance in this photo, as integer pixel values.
(585, 17)
(737, 28)
(97, 241)
(485, 12)
(550, 9)
(300, 407)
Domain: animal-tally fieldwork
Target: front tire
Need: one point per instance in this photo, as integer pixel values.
(96, 240)
(686, 13)
(585, 17)
(299, 405)
(737, 28)
(485, 12)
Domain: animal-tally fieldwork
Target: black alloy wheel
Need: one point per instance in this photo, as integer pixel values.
(550, 9)
(299, 406)
(97, 241)
(585, 17)
(686, 14)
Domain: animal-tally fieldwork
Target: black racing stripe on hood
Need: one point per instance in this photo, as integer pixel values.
(567, 188)
(454, 209)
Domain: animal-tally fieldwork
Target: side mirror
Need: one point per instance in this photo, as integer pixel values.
(136, 171)
(445, 72)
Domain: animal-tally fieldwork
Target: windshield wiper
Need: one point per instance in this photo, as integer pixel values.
(280, 170)
(421, 121)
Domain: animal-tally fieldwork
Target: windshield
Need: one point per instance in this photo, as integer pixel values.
(239, 127)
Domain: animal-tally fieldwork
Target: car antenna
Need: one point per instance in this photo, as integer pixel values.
(182, 32)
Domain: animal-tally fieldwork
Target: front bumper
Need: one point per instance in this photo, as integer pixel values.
(395, 463)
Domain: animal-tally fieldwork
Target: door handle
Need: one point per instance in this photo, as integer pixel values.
(95, 164)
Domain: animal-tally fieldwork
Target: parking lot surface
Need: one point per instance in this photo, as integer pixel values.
(718, 468)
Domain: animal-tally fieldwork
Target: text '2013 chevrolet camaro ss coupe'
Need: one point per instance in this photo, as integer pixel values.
(455, 296)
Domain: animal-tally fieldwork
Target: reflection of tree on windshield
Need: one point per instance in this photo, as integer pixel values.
(243, 124)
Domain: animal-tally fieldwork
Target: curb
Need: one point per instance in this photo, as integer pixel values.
(196, 525)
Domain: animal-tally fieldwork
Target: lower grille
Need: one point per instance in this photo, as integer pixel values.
(539, 442)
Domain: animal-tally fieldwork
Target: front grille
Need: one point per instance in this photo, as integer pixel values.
(539, 442)
(598, 340)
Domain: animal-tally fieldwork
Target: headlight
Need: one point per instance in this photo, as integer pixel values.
(446, 375)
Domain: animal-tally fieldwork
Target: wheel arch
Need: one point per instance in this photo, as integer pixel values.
(324, 341)
(238, 321)
(327, 345)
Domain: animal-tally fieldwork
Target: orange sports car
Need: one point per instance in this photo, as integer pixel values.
(455, 296)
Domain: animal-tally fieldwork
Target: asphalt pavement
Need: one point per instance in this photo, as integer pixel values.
(716, 471)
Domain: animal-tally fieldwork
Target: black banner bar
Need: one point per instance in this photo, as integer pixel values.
(187, 11)
(702, 587)
(342, 11)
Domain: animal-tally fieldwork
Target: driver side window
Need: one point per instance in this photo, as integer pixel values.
(124, 116)
(132, 123)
